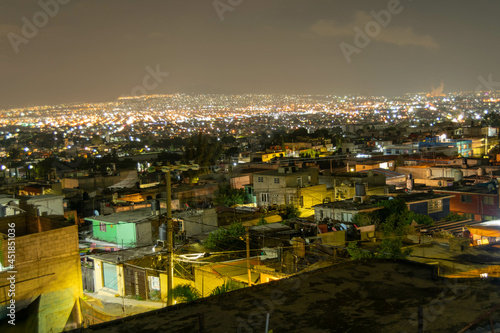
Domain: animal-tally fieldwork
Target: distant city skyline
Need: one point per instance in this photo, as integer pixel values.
(56, 52)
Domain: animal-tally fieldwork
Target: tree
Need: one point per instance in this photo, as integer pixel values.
(224, 239)
(289, 212)
(228, 196)
(392, 248)
(226, 287)
(14, 153)
(358, 254)
(262, 220)
(455, 217)
(363, 219)
(185, 293)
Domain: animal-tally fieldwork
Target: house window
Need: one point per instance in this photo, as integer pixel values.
(264, 197)
(466, 198)
(299, 181)
(346, 217)
(276, 180)
(102, 226)
(488, 201)
(260, 179)
(434, 206)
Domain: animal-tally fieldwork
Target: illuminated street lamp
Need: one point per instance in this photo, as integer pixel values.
(30, 167)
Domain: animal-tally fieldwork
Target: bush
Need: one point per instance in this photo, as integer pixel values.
(223, 239)
(185, 293)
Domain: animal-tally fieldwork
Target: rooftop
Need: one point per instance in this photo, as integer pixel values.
(476, 189)
(128, 216)
(118, 257)
(370, 296)
(41, 197)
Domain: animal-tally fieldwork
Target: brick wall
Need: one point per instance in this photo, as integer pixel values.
(47, 264)
(19, 220)
(43, 223)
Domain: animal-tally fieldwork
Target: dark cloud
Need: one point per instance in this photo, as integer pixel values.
(97, 50)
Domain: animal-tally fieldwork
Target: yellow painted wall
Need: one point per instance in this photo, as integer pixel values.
(206, 281)
(269, 156)
(314, 195)
(333, 238)
(177, 281)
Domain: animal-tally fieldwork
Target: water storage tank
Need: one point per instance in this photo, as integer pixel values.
(163, 232)
(480, 172)
(429, 173)
(360, 190)
(299, 247)
(458, 175)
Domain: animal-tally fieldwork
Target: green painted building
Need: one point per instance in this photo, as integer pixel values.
(131, 228)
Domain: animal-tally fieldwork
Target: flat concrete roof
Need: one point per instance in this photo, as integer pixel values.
(362, 296)
(118, 257)
(42, 197)
(128, 216)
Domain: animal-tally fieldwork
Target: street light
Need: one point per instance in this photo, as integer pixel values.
(3, 167)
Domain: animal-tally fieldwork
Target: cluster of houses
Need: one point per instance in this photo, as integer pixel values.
(105, 234)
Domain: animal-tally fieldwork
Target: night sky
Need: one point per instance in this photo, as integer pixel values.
(98, 50)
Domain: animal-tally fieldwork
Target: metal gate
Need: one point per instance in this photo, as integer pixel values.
(88, 278)
(135, 282)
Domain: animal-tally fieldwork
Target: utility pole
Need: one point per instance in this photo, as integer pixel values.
(170, 242)
(247, 237)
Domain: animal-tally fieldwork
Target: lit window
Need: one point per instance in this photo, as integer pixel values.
(346, 217)
(435, 206)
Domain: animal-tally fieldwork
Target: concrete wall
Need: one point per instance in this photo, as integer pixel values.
(46, 206)
(198, 221)
(239, 182)
(20, 222)
(336, 238)
(422, 208)
(144, 234)
(47, 264)
(177, 281)
(206, 280)
(314, 195)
